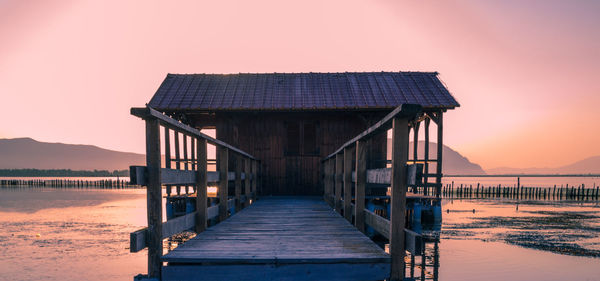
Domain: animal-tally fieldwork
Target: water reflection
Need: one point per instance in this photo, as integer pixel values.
(426, 265)
(65, 234)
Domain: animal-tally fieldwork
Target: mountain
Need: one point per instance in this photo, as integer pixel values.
(27, 153)
(453, 162)
(589, 165)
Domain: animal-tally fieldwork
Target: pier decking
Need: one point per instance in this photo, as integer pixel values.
(279, 238)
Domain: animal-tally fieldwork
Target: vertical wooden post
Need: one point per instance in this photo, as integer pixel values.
(348, 184)
(338, 182)
(193, 163)
(326, 175)
(168, 155)
(254, 179)
(415, 126)
(440, 150)
(201, 185)
(177, 157)
(238, 182)
(154, 198)
(247, 182)
(426, 156)
(186, 158)
(360, 185)
(398, 200)
(223, 181)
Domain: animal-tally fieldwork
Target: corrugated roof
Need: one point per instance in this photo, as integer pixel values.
(301, 91)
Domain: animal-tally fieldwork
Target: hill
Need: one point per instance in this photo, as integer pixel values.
(27, 153)
(453, 162)
(589, 165)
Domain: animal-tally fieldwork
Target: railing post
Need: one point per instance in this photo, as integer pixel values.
(348, 184)
(338, 182)
(325, 181)
(201, 185)
(168, 155)
(238, 182)
(329, 171)
(154, 198)
(223, 181)
(186, 159)
(440, 152)
(254, 179)
(360, 185)
(247, 182)
(177, 158)
(193, 162)
(416, 126)
(398, 200)
(426, 156)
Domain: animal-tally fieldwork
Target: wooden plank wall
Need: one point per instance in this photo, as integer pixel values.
(264, 136)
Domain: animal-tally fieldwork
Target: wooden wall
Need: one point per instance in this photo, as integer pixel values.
(265, 136)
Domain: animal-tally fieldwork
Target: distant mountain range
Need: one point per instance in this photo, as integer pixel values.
(27, 153)
(453, 163)
(589, 165)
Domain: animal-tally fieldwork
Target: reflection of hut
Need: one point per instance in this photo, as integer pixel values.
(292, 121)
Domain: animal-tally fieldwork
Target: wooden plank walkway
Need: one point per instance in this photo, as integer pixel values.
(279, 238)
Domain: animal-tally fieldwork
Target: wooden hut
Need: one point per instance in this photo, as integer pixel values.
(291, 121)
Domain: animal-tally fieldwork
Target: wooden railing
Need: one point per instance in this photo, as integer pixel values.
(340, 175)
(190, 170)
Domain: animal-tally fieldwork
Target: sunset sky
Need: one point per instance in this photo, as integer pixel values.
(525, 72)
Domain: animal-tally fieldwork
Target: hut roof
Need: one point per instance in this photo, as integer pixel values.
(301, 91)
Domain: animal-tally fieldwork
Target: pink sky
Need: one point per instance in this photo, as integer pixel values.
(524, 73)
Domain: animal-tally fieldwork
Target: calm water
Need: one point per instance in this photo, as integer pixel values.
(62, 234)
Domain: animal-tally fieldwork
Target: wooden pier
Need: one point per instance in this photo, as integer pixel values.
(291, 134)
(275, 238)
(279, 238)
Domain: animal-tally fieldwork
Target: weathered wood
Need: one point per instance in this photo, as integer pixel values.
(186, 156)
(281, 231)
(440, 149)
(413, 242)
(426, 156)
(360, 186)
(178, 177)
(247, 173)
(177, 158)
(338, 271)
(137, 175)
(178, 225)
(254, 179)
(348, 183)
(238, 182)
(154, 198)
(404, 110)
(223, 190)
(150, 113)
(398, 199)
(139, 239)
(201, 186)
(212, 212)
(167, 138)
(415, 127)
(327, 185)
(339, 161)
(379, 176)
(378, 223)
